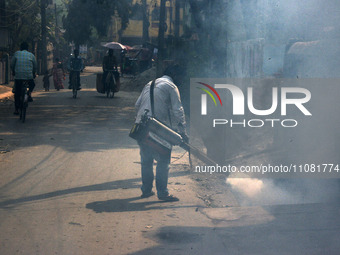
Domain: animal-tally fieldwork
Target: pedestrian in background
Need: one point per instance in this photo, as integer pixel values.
(58, 74)
(46, 81)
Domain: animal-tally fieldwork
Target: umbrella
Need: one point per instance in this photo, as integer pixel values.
(114, 45)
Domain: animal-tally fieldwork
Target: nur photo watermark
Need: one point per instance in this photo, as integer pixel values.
(275, 122)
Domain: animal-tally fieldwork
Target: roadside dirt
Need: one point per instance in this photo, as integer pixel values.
(137, 82)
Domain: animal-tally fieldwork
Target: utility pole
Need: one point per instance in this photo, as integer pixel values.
(56, 32)
(161, 32)
(43, 37)
(177, 18)
(146, 23)
(170, 16)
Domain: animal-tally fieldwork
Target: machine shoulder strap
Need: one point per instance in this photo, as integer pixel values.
(152, 100)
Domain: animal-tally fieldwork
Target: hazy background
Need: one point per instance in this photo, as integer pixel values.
(265, 42)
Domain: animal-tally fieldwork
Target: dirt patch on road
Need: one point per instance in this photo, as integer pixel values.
(137, 83)
(6, 93)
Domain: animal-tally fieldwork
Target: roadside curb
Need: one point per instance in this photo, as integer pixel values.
(5, 92)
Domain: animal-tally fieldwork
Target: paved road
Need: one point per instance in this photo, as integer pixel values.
(70, 179)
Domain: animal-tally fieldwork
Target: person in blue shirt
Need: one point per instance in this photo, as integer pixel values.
(24, 67)
(75, 65)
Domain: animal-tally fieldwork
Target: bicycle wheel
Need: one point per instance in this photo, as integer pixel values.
(107, 88)
(134, 68)
(74, 85)
(23, 103)
(108, 84)
(112, 87)
(23, 113)
(74, 93)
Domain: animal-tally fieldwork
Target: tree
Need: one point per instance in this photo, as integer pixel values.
(146, 22)
(85, 16)
(210, 26)
(161, 31)
(43, 5)
(22, 22)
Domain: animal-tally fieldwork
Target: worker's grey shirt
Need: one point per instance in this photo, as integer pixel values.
(167, 102)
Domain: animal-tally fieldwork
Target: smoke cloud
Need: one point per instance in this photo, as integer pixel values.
(252, 191)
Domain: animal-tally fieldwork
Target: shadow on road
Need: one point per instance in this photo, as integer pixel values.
(283, 235)
(91, 122)
(128, 205)
(120, 184)
(285, 229)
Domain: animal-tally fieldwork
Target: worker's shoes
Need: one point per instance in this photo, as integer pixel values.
(169, 198)
(147, 194)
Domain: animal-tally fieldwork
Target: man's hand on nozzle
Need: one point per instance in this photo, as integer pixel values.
(185, 137)
(182, 131)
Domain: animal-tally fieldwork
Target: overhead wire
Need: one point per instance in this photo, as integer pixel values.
(18, 11)
(21, 11)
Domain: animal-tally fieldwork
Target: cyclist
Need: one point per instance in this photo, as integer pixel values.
(75, 65)
(109, 64)
(24, 66)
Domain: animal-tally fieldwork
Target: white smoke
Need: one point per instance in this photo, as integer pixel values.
(253, 191)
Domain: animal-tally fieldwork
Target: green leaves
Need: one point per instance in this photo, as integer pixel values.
(22, 21)
(84, 15)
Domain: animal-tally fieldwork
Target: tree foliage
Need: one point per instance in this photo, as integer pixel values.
(84, 15)
(22, 22)
(209, 25)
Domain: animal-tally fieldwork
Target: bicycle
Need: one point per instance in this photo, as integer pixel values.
(23, 100)
(110, 84)
(74, 84)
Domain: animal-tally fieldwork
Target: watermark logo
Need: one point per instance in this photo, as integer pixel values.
(239, 99)
(281, 98)
(204, 97)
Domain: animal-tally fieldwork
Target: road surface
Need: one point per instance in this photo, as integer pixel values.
(70, 184)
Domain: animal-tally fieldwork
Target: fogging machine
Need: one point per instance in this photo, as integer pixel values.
(161, 138)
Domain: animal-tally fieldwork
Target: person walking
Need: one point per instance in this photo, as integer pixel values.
(46, 81)
(58, 74)
(24, 67)
(167, 103)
